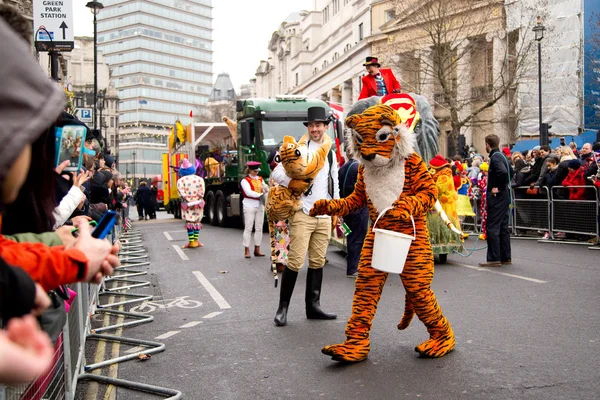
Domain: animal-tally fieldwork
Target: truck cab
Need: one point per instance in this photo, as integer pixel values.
(261, 126)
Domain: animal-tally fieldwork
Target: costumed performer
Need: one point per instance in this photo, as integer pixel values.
(482, 183)
(254, 190)
(191, 190)
(438, 231)
(279, 231)
(378, 81)
(391, 175)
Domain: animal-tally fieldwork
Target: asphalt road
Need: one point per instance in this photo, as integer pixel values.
(530, 330)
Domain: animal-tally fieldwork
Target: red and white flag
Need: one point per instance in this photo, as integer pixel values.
(338, 111)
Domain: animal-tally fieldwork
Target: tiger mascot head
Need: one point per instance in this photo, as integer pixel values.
(298, 162)
(378, 137)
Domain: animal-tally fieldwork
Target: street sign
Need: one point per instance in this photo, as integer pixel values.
(53, 25)
(84, 114)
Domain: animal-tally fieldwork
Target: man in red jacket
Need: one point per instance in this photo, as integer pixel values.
(378, 82)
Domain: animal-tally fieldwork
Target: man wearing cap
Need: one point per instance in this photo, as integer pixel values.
(309, 234)
(253, 191)
(379, 81)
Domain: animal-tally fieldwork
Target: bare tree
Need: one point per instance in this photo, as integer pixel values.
(214, 112)
(451, 48)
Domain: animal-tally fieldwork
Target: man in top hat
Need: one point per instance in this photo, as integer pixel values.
(379, 81)
(309, 234)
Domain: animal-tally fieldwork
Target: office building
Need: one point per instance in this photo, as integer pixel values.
(160, 58)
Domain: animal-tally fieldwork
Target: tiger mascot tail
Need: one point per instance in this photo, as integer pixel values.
(393, 175)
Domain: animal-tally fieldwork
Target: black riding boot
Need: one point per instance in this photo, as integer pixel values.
(288, 281)
(314, 279)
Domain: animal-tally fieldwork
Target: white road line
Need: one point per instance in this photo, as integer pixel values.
(169, 238)
(181, 253)
(223, 304)
(191, 324)
(167, 335)
(213, 314)
(135, 349)
(500, 273)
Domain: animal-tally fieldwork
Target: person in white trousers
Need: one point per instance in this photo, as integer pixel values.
(254, 191)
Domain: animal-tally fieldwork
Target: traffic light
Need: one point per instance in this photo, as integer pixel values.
(545, 134)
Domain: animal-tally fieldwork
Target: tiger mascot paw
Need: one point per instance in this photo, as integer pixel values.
(440, 343)
(321, 207)
(353, 350)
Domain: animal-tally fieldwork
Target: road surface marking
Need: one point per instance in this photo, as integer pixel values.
(135, 349)
(191, 324)
(169, 238)
(487, 269)
(223, 304)
(181, 253)
(167, 335)
(213, 314)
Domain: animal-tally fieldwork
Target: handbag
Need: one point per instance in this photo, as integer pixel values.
(533, 191)
(54, 318)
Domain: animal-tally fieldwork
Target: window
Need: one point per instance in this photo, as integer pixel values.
(297, 79)
(325, 15)
(390, 14)
(360, 32)
(336, 6)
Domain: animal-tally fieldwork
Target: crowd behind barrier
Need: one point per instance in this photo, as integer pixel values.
(549, 214)
(60, 382)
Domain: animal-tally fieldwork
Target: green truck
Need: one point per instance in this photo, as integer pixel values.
(261, 126)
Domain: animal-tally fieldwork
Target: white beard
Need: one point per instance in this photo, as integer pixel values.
(384, 185)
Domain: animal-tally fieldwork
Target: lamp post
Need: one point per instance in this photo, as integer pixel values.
(133, 155)
(95, 7)
(538, 30)
(100, 107)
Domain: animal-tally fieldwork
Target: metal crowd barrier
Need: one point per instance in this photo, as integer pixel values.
(69, 365)
(575, 216)
(552, 211)
(531, 212)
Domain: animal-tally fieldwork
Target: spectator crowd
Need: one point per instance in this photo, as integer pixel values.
(46, 213)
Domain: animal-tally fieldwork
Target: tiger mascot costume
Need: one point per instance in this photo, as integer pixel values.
(383, 142)
(302, 166)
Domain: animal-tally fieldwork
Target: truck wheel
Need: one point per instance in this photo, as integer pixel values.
(221, 209)
(443, 258)
(209, 207)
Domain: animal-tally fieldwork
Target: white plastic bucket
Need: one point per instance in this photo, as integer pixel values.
(390, 248)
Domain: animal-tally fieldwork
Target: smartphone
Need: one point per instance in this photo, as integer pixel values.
(106, 223)
(70, 140)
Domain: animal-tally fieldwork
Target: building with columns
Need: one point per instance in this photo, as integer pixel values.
(319, 53)
(475, 68)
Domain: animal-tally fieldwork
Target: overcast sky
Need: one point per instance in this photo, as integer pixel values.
(242, 30)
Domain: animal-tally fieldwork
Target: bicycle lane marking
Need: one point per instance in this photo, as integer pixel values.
(214, 293)
(213, 314)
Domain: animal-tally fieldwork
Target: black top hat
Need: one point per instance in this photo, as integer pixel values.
(372, 61)
(317, 114)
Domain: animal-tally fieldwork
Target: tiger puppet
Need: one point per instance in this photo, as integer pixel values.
(393, 175)
(300, 165)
